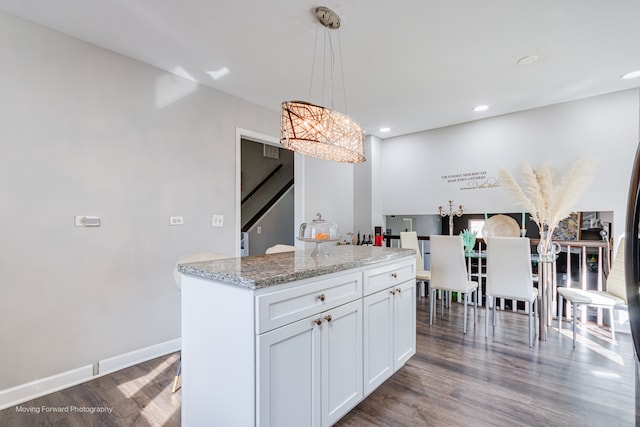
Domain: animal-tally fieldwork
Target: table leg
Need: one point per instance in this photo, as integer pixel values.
(545, 277)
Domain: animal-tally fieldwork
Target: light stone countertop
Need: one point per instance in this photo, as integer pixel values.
(261, 271)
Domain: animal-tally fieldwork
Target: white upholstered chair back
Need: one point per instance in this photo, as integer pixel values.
(409, 240)
(509, 267)
(616, 285)
(275, 249)
(448, 269)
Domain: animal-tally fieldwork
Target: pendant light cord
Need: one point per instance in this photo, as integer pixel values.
(344, 84)
(313, 62)
(327, 36)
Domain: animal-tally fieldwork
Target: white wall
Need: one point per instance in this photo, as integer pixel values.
(85, 131)
(375, 157)
(328, 188)
(367, 204)
(362, 193)
(605, 127)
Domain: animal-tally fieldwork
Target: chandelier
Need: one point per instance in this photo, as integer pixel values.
(317, 131)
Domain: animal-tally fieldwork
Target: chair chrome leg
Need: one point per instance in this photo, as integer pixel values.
(611, 320)
(466, 300)
(530, 326)
(475, 307)
(574, 316)
(432, 304)
(495, 303)
(177, 377)
(560, 310)
(486, 316)
(534, 307)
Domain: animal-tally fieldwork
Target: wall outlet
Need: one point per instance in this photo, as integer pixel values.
(259, 229)
(176, 220)
(217, 220)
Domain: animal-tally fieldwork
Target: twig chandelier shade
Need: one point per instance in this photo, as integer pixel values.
(317, 131)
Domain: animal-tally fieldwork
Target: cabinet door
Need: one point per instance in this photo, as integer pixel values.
(341, 361)
(404, 310)
(378, 339)
(288, 364)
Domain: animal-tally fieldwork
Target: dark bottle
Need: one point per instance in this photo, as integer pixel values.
(358, 242)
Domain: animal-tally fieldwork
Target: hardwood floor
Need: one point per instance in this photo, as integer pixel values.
(136, 396)
(462, 380)
(453, 380)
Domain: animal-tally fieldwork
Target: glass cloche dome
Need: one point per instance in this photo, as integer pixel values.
(319, 231)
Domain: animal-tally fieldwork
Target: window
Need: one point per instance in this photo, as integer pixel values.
(476, 225)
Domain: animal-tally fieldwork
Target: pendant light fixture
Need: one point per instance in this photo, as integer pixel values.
(317, 131)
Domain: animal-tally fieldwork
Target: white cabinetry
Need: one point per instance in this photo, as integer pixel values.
(293, 354)
(310, 372)
(341, 361)
(389, 322)
(289, 375)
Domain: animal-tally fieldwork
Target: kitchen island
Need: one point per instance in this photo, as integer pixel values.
(293, 340)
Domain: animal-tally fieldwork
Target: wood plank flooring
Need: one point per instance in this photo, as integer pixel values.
(453, 380)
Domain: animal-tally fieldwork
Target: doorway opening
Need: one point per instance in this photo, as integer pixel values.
(267, 202)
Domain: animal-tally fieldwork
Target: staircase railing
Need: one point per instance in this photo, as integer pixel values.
(261, 183)
(268, 205)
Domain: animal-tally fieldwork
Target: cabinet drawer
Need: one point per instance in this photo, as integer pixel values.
(383, 277)
(280, 308)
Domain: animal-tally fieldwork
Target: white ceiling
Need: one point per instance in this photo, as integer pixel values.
(410, 65)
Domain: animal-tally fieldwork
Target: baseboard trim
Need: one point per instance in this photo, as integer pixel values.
(24, 392)
(122, 361)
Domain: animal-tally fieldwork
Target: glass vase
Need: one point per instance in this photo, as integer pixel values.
(547, 249)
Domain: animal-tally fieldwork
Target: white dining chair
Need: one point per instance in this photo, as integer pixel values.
(409, 240)
(509, 276)
(449, 273)
(177, 278)
(613, 298)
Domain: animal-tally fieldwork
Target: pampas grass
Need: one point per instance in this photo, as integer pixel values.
(546, 202)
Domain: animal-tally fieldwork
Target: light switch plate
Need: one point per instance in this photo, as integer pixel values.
(176, 220)
(217, 220)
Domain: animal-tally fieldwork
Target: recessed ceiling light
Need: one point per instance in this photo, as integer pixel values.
(631, 75)
(481, 108)
(526, 60)
(385, 129)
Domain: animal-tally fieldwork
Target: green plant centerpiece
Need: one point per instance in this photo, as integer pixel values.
(468, 240)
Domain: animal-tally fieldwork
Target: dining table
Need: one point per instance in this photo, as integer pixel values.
(544, 278)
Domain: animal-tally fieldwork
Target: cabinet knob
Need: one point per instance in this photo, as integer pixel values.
(328, 318)
(394, 275)
(398, 290)
(318, 321)
(392, 291)
(321, 297)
